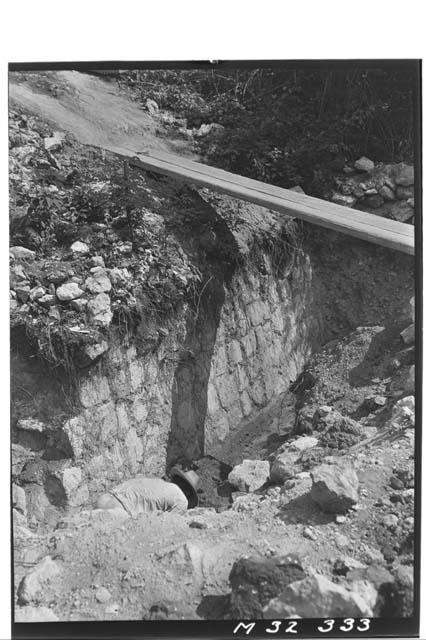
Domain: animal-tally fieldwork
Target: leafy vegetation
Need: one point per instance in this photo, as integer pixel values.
(290, 126)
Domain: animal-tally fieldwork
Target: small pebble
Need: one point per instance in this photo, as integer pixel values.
(309, 533)
(390, 521)
(342, 541)
(102, 595)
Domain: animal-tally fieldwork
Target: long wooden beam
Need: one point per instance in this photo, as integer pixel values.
(367, 226)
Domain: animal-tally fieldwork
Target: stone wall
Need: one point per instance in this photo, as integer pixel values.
(124, 424)
(264, 336)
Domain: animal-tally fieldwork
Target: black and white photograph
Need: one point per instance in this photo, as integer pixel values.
(215, 342)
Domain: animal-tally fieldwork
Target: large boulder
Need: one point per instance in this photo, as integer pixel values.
(335, 487)
(318, 597)
(31, 587)
(249, 475)
(255, 580)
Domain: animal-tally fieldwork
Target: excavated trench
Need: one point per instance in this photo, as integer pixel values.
(216, 390)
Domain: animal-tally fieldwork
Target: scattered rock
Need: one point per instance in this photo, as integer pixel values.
(401, 211)
(373, 201)
(342, 541)
(19, 500)
(80, 248)
(57, 274)
(36, 293)
(249, 475)
(255, 580)
(283, 467)
(364, 164)
(308, 532)
(404, 193)
(343, 565)
(102, 595)
(387, 193)
(99, 309)
(337, 431)
(335, 487)
(98, 282)
(55, 142)
(198, 524)
(303, 443)
(390, 521)
(346, 201)
(30, 424)
(32, 585)
(48, 300)
(95, 351)
(35, 614)
(403, 174)
(97, 261)
(22, 292)
(316, 597)
(69, 291)
(403, 413)
(152, 107)
(79, 304)
(22, 253)
(341, 519)
(207, 129)
(297, 189)
(119, 277)
(408, 335)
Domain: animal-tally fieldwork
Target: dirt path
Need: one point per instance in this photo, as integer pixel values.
(92, 109)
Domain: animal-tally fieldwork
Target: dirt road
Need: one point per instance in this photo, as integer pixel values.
(92, 109)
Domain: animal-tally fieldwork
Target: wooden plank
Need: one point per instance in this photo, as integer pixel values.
(366, 226)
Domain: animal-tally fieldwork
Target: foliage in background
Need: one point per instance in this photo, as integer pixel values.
(289, 126)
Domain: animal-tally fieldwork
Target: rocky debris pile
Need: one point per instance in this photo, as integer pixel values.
(384, 189)
(78, 264)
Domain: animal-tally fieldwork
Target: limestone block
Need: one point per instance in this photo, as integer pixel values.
(140, 412)
(119, 383)
(234, 352)
(257, 392)
(220, 362)
(134, 451)
(213, 404)
(94, 391)
(123, 421)
(242, 378)
(75, 430)
(277, 321)
(227, 390)
(136, 374)
(246, 406)
(257, 312)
